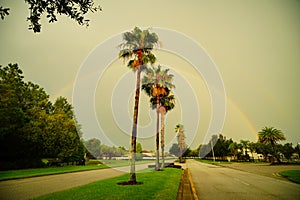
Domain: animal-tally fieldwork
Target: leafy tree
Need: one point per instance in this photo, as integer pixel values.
(19, 103)
(74, 9)
(252, 149)
(297, 149)
(31, 127)
(221, 147)
(139, 149)
(187, 152)
(245, 145)
(270, 135)
(136, 48)
(287, 150)
(233, 147)
(93, 147)
(174, 149)
(264, 149)
(157, 84)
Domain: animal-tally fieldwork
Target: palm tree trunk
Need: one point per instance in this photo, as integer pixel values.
(157, 136)
(134, 127)
(180, 152)
(162, 139)
(275, 152)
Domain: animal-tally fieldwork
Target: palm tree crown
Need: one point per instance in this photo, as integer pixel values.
(270, 135)
(157, 83)
(137, 47)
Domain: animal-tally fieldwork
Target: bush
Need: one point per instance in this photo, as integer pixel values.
(22, 164)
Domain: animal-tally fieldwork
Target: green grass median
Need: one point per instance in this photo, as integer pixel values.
(292, 175)
(26, 173)
(155, 185)
(212, 162)
(91, 165)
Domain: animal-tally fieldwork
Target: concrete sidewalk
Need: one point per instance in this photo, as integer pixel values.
(28, 188)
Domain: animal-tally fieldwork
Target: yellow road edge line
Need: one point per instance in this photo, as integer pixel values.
(192, 185)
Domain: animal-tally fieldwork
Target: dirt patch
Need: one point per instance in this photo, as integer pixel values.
(130, 183)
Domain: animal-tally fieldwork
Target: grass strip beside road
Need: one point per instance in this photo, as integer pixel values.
(156, 185)
(91, 165)
(26, 173)
(212, 162)
(292, 175)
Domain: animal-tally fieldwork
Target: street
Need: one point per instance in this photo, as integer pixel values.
(28, 188)
(217, 182)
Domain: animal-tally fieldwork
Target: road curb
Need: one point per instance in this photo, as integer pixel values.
(186, 190)
(192, 185)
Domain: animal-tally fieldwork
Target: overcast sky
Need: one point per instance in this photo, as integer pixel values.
(255, 46)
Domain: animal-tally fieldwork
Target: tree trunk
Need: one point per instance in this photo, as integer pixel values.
(157, 135)
(162, 144)
(134, 127)
(275, 152)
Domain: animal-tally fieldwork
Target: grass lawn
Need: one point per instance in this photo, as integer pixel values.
(24, 173)
(212, 162)
(156, 185)
(91, 165)
(120, 163)
(292, 175)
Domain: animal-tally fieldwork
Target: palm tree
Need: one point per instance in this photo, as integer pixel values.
(270, 135)
(180, 138)
(233, 147)
(167, 104)
(136, 49)
(157, 84)
(245, 144)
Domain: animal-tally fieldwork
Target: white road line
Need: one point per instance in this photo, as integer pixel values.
(241, 181)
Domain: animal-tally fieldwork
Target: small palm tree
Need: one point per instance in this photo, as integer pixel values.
(245, 144)
(180, 138)
(233, 147)
(270, 135)
(136, 49)
(252, 149)
(167, 104)
(157, 84)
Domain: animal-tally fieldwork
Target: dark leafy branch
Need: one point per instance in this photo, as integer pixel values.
(3, 12)
(74, 9)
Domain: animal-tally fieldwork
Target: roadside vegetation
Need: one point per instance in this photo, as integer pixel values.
(266, 149)
(90, 165)
(212, 162)
(292, 175)
(156, 185)
(26, 173)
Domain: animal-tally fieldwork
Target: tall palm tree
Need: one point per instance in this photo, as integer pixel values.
(270, 135)
(180, 137)
(157, 84)
(167, 104)
(136, 49)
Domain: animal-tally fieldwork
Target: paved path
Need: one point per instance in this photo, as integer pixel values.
(217, 182)
(33, 187)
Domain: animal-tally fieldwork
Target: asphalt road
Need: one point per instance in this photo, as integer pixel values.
(217, 182)
(28, 188)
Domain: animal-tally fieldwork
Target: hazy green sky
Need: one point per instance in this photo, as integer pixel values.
(254, 44)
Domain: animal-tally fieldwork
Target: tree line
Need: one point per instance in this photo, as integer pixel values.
(221, 148)
(31, 126)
